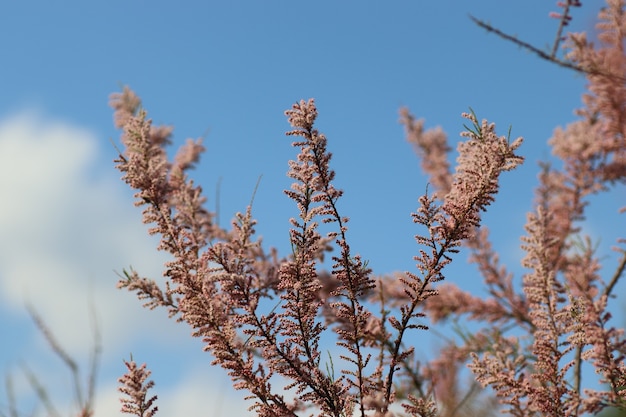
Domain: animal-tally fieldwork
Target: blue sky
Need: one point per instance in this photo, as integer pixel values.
(229, 70)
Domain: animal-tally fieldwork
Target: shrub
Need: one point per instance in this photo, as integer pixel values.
(263, 316)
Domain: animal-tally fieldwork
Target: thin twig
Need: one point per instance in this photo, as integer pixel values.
(56, 348)
(470, 393)
(11, 396)
(88, 406)
(559, 32)
(84, 404)
(542, 54)
(616, 276)
(41, 392)
(217, 201)
(578, 373)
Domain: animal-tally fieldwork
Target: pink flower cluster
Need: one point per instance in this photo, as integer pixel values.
(262, 317)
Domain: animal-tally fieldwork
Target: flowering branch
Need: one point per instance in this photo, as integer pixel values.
(264, 318)
(134, 386)
(481, 160)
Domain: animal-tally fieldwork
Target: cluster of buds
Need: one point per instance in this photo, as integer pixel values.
(565, 17)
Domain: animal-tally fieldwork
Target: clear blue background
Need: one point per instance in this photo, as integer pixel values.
(228, 70)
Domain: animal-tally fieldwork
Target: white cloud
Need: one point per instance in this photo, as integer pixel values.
(197, 395)
(65, 228)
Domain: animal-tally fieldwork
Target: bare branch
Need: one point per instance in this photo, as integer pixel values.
(551, 57)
